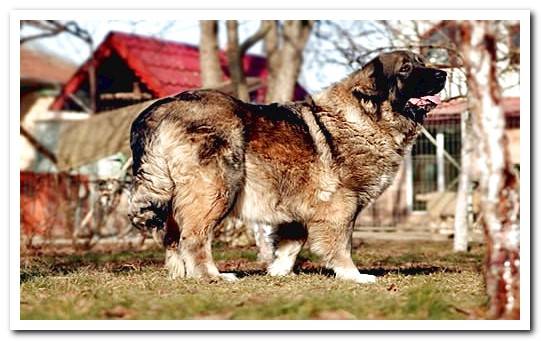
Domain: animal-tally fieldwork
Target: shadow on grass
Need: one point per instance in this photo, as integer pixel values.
(242, 262)
(312, 269)
(64, 265)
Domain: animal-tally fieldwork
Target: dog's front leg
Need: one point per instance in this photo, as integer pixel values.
(332, 241)
(288, 239)
(285, 256)
(344, 268)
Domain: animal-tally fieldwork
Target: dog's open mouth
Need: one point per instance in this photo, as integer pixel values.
(429, 102)
(418, 108)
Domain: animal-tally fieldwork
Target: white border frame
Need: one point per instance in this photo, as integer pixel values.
(17, 324)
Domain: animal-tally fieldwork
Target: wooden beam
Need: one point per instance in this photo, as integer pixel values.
(39, 147)
(80, 103)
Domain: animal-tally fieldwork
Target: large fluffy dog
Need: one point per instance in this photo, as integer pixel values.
(305, 168)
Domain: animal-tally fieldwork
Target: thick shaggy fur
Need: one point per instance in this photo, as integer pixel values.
(305, 169)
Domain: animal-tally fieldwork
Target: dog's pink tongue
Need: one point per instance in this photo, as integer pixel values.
(434, 99)
(425, 100)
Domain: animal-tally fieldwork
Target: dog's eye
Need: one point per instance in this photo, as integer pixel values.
(405, 68)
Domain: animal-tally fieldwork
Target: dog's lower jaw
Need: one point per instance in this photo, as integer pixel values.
(353, 275)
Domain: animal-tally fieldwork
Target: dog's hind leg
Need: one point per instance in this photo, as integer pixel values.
(201, 205)
(171, 241)
(151, 195)
(204, 162)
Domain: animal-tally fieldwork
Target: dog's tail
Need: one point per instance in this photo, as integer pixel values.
(151, 193)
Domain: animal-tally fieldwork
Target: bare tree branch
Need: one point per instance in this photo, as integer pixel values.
(264, 28)
(52, 28)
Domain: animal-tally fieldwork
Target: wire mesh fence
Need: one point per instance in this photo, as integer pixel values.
(430, 174)
(423, 197)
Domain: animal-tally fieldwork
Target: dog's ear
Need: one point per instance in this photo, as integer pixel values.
(371, 82)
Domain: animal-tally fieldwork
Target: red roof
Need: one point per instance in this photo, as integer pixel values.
(165, 67)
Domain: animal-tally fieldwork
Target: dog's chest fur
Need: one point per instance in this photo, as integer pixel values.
(291, 174)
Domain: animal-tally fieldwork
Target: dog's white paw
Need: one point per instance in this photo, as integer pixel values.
(174, 264)
(229, 277)
(279, 272)
(277, 269)
(355, 276)
(365, 279)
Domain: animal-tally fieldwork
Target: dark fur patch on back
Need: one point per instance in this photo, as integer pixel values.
(188, 96)
(278, 112)
(212, 146)
(273, 124)
(211, 140)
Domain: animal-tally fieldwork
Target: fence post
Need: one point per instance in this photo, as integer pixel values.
(408, 169)
(463, 206)
(440, 147)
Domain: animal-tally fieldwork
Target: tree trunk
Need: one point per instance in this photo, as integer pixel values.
(234, 57)
(285, 59)
(498, 184)
(211, 71)
(464, 194)
(271, 46)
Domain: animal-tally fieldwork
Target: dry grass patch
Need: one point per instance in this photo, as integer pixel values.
(416, 281)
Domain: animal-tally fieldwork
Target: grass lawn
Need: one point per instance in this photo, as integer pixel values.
(416, 280)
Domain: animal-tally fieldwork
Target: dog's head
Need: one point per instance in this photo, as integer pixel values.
(404, 80)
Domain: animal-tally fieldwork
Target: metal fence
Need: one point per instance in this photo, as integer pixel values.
(422, 198)
(431, 171)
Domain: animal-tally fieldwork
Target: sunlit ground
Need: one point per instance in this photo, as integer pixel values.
(416, 280)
